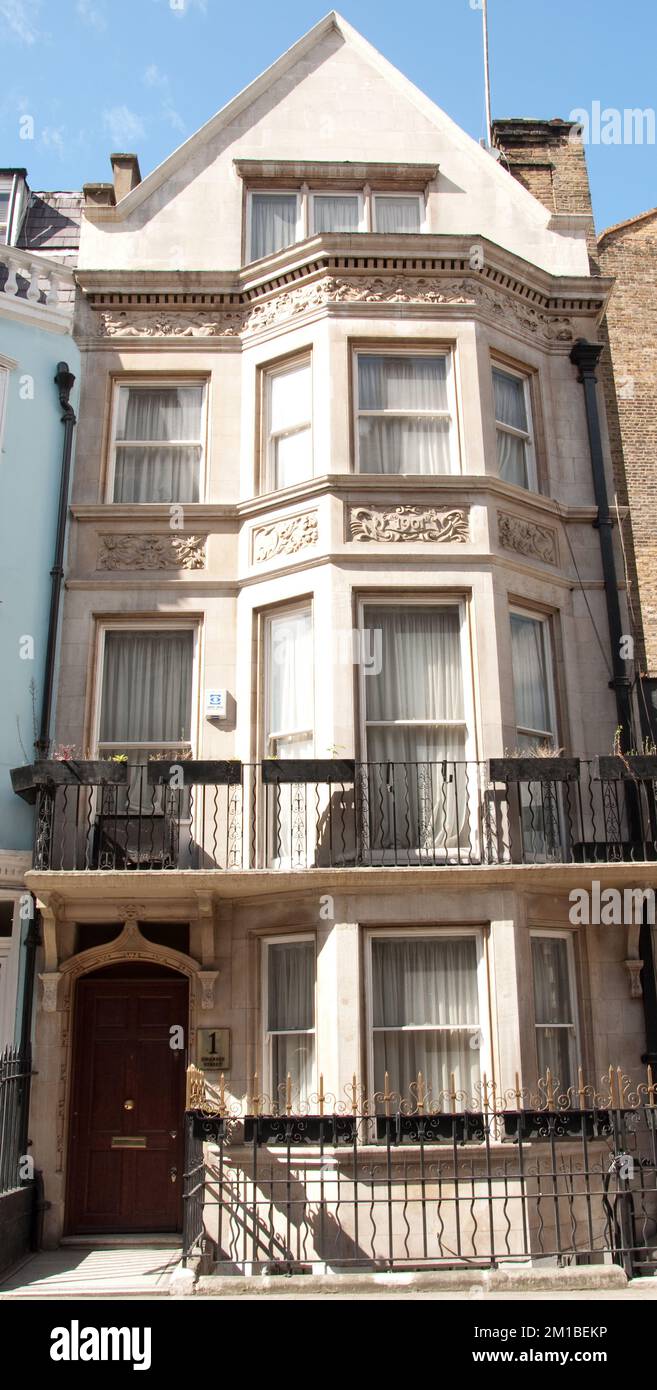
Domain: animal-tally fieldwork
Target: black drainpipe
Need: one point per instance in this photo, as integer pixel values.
(64, 381)
(585, 356)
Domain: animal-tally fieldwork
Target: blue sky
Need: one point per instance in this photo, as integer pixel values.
(100, 75)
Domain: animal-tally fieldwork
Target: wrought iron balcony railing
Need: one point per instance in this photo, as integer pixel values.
(338, 814)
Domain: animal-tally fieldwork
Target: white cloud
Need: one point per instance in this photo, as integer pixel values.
(92, 15)
(173, 117)
(154, 78)
(124, 126)
(21, 18)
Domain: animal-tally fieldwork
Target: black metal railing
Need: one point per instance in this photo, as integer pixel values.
(15, 1074)
(392, 1185)
(322, 815)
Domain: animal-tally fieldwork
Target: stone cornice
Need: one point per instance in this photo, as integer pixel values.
(345, 173)
(346, 267)
(474, 488)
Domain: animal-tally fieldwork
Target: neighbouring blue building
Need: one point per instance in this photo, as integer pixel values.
(39, 235)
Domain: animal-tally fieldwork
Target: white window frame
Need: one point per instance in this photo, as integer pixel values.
(7, 365)
(274, 193)
(8, 186)
(450, 414)
(269, 737)
(338, 193)
(268, 462)
(484, 1028)
(529, 435)
(153, 627)
(399, 193)
(574, 1026)
(157, 383)
(10, 947)
(402, 600)
(290, 938)
(515, 610)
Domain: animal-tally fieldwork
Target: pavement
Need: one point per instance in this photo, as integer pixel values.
(72, 1272)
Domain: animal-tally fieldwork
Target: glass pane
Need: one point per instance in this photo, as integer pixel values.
(442, 1058)
(555, 1049)
(512, 459)
(417, 789)
(290, 398)
(510, 403)
(531, 679)
(292, 458)
(273, 223)
(424, 981)
(291, 674)
(336, 214)
(419, 663)
(397, 214)
(404, 445)
(147, 687)
(171, 473)
(163, 413)
(402, 383)
(294, 1057)
(552, 997)
(291, 986)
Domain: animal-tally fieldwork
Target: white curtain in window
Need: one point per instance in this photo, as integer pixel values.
(416, 803)
(397, 214)
(421, 986)
(171, 418)
(273, 223)
(147, 688)
(552, 1006)
(397, 443)
(336, 214)
(290, 412)
(511, 409)
(530, 675)
(291, 686)
(290, 1001)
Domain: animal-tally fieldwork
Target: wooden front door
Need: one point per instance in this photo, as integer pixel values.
(126, 1145)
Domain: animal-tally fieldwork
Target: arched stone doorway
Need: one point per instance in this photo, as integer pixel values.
(127, 1099)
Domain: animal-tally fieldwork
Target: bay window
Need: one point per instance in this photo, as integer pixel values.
(158, 442)
(288, 427)
(274, 223)
(417, 715)
(515, 446)
(406, 415)
(555, 1017)
(289, 1013)
(394, 212)
(428, 1006)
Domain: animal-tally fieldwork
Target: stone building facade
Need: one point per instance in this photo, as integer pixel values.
(333, 506)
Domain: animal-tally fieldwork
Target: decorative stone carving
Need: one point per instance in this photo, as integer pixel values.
(133, 552)
(285, 537)
(634, 968)
(330, 289)
(207, 980)
(50, 981)
(409, 524)
(528, 538)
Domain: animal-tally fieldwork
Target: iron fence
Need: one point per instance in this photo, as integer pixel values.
(304, 815)
(423, 1182)
(15, 1073)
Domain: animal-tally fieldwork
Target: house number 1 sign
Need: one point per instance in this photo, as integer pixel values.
(214, 1049)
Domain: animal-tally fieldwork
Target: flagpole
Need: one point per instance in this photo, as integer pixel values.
(489, 123)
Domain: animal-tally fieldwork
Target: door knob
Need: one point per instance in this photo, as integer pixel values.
(128, 1105)
(173, 1174)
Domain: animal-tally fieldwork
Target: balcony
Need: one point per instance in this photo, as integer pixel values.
(314, 814)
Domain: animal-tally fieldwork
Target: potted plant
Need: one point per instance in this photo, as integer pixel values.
(64, 769)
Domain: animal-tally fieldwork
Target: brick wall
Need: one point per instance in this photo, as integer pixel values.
(543, 158)
(629, 254)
